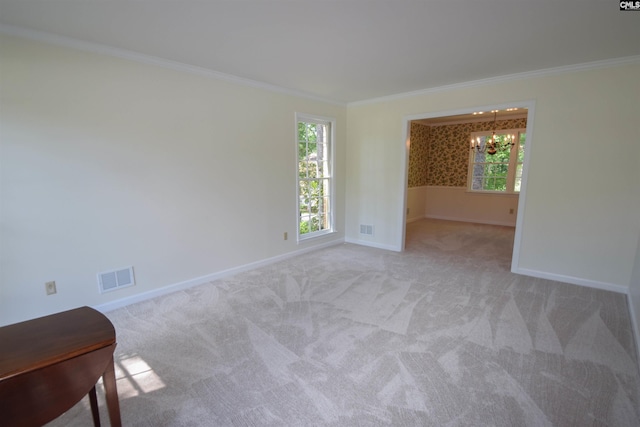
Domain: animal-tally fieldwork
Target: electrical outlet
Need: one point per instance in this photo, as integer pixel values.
(511, 211)
(286, 235)
(50, 287)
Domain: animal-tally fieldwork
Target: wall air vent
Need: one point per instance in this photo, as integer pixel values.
(117, 279)
(366, 229)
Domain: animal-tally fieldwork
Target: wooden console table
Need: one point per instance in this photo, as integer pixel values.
(49, 364)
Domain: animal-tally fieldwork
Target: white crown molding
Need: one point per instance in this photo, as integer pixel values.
(72, 43)
(607, 63)
(476, 119)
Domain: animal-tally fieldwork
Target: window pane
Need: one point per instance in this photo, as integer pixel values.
(321, 132)
(326, 201)
(314, 172)
(302, 132)
(523, 138)
(325, 186)
(518, 182)
(490, 172)
(320, 152)
(304, 226)
(306, 132)
(312, 149)
(500, 169)
(313, 224)
(486, 183)
(302, 170)
(312, 169)
(478, 156)
(311, 133)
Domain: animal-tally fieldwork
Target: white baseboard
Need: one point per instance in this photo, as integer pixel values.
(415, 218)
(372, 244)
(144, 296)
(635, 327)
(471, 220)
(573, 280)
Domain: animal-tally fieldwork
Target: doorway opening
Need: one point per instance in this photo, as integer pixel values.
(448, 176)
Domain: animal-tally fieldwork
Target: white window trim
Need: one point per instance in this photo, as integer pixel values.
(308, 118)
(513, 161)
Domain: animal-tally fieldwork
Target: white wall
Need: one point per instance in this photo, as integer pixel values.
(107, 163)
(416, 203)
(579, 221)
(458, 204)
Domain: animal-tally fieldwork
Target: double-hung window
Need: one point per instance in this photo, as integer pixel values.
(497, 165)
(315, 175)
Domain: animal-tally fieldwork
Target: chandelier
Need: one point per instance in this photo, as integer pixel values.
(493, 145)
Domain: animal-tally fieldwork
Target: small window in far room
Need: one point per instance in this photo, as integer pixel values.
(496, 159)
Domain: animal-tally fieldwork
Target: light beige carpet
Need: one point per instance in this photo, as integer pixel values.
(440, 335)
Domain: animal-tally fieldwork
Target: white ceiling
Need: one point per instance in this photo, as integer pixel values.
(347, 50)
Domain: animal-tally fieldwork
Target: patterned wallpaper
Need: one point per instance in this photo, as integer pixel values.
(418, 155)
(439, 155)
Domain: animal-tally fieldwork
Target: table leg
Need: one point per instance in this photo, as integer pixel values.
(94, 407)
(111, 393)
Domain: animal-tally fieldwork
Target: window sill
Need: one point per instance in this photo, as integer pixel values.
(493, 193)
(315, 235)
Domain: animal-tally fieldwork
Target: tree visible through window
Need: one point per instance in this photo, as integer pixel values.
(314, 176)
(501, 170)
